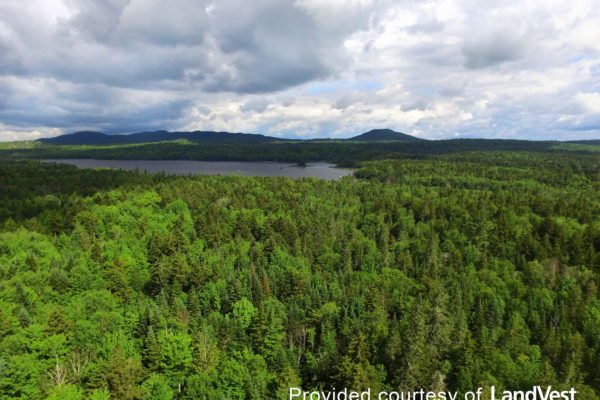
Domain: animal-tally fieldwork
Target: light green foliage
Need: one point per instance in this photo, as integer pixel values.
(65, 392)
(243, 312)
(451, 272)
(176, 355)
(157, 388)
(99, 395)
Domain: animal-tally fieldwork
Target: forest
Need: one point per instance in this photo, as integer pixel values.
(442, 270)
(345, 153)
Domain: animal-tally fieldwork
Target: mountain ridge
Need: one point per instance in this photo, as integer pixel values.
(100, 138)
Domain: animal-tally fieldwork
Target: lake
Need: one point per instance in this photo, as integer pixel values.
(184, 167)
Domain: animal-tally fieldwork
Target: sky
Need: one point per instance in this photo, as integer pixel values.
(436, 69)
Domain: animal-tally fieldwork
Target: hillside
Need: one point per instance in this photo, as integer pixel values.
(383, 135)
(99, 138)
(592, 142)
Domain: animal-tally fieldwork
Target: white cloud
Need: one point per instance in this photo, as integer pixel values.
(586, 34)
(8, 135)
(588, 102)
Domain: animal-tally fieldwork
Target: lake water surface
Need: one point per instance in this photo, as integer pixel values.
(184, 167)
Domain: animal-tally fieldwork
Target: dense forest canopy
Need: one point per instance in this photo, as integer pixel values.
(341, 152)
(447, 271)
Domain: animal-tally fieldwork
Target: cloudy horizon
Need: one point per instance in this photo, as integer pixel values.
(301, 69)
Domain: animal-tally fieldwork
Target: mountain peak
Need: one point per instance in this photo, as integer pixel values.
(382, 135)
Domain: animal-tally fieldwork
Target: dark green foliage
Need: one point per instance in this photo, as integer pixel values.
(342, 152)
(121, 376)
(449, 272)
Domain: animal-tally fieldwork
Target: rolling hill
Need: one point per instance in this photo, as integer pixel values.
(377, 135)
(99, 138)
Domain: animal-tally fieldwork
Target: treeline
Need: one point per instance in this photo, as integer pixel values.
(451, 272)
(343, 153)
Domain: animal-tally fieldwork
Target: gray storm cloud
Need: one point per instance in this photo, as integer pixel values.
(495, 49)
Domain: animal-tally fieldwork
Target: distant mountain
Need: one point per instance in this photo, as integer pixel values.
(99, 138)
(383, 134)
(84, 137)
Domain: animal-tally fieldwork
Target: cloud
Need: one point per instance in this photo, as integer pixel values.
(345, 101)
(94, 19)
(257, 105)
(10, 61)
(494, 49)
(588, 102)
(55, 104)
(301, 68)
